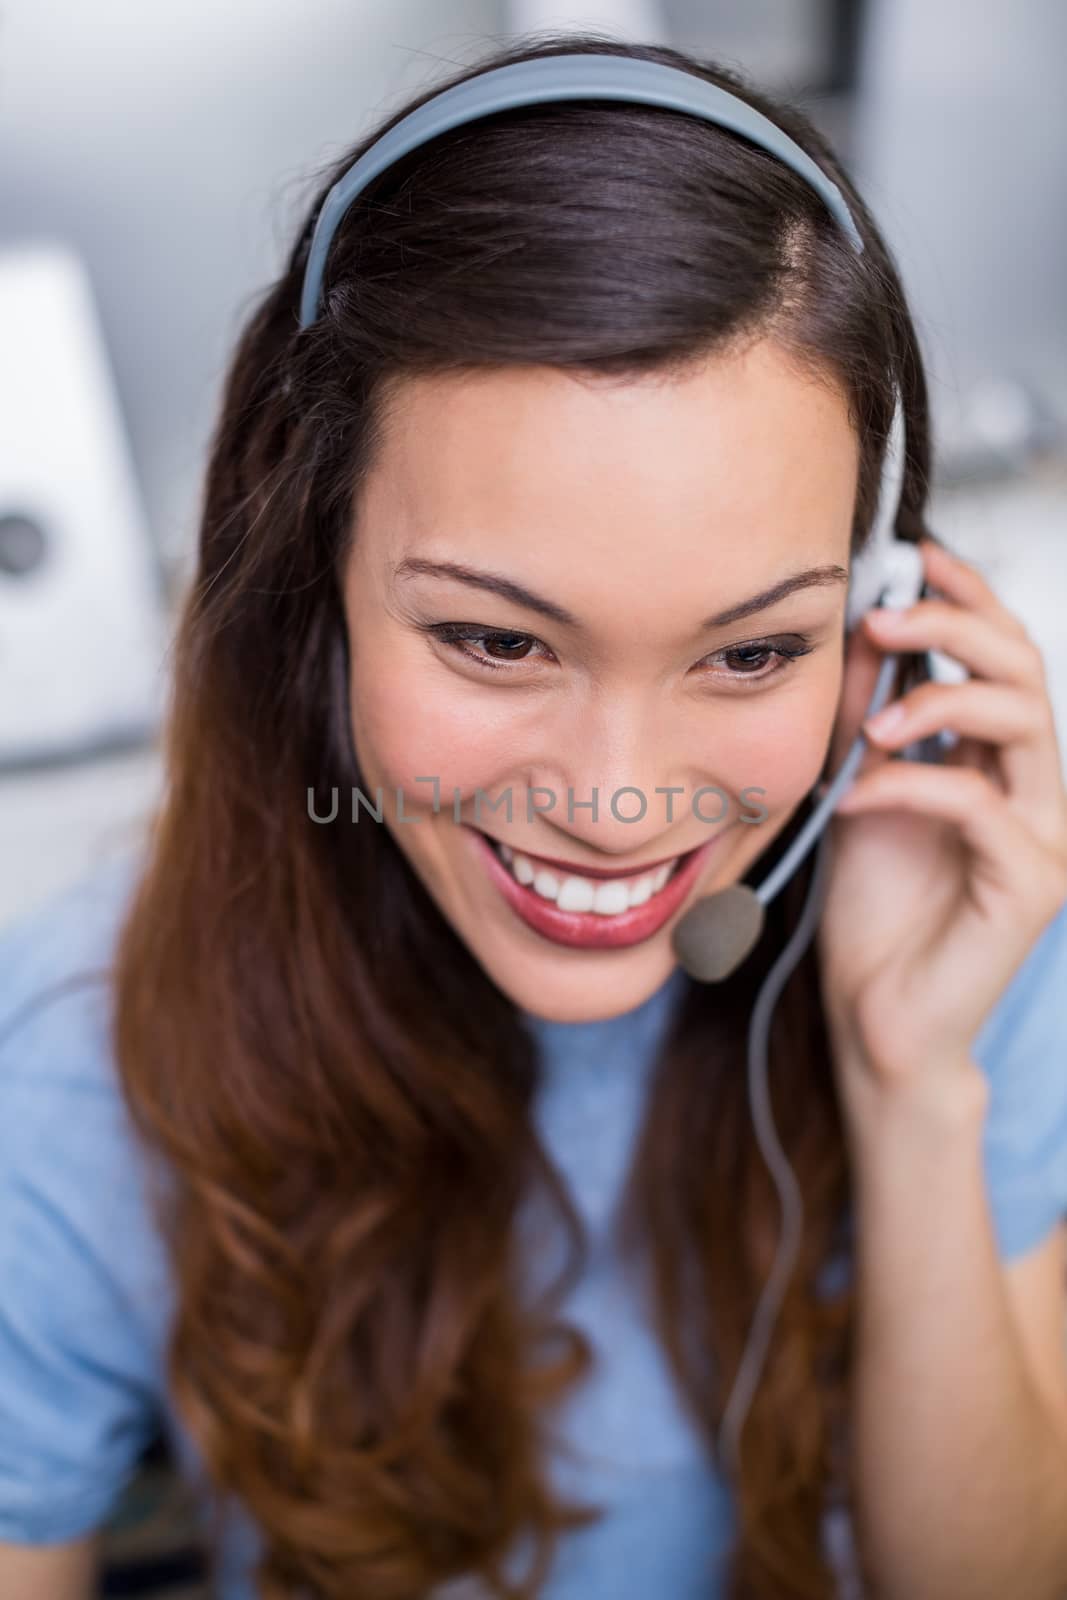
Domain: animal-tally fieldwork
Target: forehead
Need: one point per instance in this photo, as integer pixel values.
(731, 466)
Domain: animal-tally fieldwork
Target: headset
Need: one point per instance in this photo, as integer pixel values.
(718, 931)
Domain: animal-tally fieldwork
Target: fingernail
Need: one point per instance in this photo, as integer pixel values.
(884, 616)
(886, 721)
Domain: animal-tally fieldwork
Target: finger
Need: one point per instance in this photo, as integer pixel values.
(973, 753)
(982, 643)
(1008, 858)
(1018, 722)
(963, 582)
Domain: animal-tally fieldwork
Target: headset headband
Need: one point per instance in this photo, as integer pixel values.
(561, 77)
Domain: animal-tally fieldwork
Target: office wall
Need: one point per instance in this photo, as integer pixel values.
(169, 144)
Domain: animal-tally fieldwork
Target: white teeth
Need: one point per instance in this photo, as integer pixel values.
(522, 869)
(605, 897)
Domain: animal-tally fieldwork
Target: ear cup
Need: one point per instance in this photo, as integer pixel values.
(868, 573)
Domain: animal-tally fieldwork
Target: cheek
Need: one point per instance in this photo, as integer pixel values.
(410, 723)
(780, 746)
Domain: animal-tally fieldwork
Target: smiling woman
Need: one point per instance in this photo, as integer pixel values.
(556, 496)
(616, 503)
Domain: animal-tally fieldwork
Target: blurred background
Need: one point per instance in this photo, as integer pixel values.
(153, 162)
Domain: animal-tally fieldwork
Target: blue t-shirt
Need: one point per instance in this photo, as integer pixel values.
(85, 1300)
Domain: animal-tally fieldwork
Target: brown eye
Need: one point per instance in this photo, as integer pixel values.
(462, 637)
(511, 645)
(761, 660)
(743, 655)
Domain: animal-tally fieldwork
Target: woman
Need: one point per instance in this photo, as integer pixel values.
(579, 370)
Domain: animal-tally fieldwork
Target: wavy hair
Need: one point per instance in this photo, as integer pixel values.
(333, 1085)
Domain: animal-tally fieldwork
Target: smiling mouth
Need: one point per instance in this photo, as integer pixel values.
(585, 913)
(570, 888)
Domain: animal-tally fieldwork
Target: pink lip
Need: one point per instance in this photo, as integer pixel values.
(585, 929)
(594, 872)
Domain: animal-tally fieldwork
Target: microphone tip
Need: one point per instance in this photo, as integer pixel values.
(717, 933)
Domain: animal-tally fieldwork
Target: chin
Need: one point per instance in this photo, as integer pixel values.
(579, 986)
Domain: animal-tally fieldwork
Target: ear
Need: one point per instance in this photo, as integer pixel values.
(862, 659)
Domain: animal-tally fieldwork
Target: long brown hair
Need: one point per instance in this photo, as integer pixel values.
(340, 1094)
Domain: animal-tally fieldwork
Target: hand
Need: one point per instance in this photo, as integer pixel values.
(942, 877)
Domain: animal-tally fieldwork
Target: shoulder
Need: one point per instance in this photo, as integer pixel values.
(1022, 1050)
(67, 1145)
(54, 972)
(83, 1281)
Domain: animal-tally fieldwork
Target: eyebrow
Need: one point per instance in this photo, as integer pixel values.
(508, 589)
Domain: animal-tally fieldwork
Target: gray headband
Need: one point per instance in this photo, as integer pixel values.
(562, 77)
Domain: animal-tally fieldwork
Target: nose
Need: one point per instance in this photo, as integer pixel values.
(623, 792)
